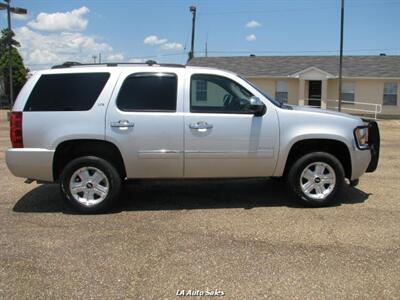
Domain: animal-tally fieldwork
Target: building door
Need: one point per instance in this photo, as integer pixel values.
(314, 93)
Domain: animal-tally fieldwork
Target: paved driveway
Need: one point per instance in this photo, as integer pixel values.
(245, 238)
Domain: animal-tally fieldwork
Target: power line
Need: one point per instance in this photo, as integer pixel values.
(285, 10)
(245, 52)
(136, 57)
(299, 51)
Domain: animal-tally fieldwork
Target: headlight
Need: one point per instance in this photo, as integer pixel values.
(361, 135)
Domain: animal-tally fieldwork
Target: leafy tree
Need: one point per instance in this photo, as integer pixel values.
(19, 71)
(4, 40)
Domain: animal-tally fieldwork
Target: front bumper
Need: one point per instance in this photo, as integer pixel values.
(32, 163)
(374, 145)
(365, 159)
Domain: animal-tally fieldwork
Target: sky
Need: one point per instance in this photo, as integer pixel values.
(55, 31)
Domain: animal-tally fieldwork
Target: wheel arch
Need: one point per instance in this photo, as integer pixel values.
(71, 149)
(332, 146)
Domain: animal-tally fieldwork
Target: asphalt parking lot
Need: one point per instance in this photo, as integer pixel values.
(243, 237)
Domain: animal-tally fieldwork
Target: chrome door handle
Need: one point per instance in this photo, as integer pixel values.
(200, 125)
(122, 124)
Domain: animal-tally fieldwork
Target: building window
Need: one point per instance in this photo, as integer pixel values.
(390, 93)
(347, 92)
(201, 90)
(281, 93)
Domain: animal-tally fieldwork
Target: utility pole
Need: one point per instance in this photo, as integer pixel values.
(206, 50)
(341, 56)
(15, 10)
(94, 58)
(193, 11)
(99, 58)
(9, 56)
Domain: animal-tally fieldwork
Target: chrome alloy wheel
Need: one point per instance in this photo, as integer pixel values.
(89, 186)
(318, 180)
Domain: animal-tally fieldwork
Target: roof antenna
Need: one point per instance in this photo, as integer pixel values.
(206, 46)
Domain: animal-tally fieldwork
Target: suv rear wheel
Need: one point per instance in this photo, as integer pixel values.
(316, 178)
(90, 184)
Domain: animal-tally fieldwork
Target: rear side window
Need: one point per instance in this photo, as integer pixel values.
(148, 92)
(66, 92)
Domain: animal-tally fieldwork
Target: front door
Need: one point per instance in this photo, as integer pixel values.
(142, 120)
(223, 138)
(314, 93)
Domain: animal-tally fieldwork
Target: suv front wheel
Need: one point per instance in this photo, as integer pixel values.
(90, 184)
(316, 178)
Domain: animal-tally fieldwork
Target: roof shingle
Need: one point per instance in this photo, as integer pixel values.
(353, 66)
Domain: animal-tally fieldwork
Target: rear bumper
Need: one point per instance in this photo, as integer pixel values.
(31, 163)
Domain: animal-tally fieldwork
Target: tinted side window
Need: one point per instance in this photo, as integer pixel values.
(148, 92)
(66, 92)
(218, 94)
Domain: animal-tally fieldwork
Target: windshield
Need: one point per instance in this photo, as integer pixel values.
(274, 101)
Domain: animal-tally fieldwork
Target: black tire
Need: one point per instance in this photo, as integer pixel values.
(294, 177)
(113, 183)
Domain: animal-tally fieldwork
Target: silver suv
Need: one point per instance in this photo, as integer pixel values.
(91, 128)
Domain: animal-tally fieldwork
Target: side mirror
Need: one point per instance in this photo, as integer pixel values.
(257, 106)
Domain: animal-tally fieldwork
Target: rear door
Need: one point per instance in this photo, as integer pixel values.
(144, 121)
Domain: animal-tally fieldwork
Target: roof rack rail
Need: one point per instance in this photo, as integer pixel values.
(69, 64)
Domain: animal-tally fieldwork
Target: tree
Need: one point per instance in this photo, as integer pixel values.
(19, 71)
(4, 40)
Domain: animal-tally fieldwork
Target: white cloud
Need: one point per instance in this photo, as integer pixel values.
(251, 37)
(117, 57)
(52, 39)
(61, 21)
(154, 40)
(43, 50)
(253, 24)
(172, 46)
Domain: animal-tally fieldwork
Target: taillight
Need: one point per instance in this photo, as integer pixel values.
(16, 129)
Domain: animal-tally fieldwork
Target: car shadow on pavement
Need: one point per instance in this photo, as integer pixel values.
(143, 195)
